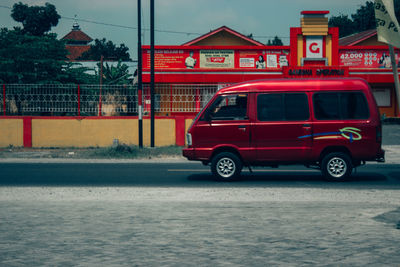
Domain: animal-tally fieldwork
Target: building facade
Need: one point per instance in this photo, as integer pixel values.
(224, 57)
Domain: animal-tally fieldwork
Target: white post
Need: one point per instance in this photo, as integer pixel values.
(396, 78)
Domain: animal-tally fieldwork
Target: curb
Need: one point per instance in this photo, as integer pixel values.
(392, 155)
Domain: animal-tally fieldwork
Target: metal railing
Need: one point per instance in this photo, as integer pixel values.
(105, 100)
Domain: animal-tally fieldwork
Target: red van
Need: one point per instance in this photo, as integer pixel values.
(330, 124)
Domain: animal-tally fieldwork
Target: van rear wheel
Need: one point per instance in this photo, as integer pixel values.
(336, 167)
(226, 166)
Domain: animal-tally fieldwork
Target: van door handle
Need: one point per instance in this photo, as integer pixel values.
(242, 127)
(307, 126)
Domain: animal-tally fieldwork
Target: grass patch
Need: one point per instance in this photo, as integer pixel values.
(126, 151)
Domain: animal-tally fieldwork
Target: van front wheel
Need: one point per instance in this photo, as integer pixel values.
(336, 167)
(226, 166)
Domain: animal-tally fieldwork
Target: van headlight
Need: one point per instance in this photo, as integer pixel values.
(189, 139)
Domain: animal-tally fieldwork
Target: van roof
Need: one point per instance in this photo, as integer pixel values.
(297, 85)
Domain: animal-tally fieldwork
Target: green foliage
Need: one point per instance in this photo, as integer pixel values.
(363, 19)
(36, 20)
(76, 73)
(275, 41)
(115, 74)
(345, 24)
(108, 50)
(26, 58)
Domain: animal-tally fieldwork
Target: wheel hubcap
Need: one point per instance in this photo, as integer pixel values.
(337, 167)
(226, 167)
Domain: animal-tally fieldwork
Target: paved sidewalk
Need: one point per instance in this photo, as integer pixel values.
(153, 226)
(392, 157)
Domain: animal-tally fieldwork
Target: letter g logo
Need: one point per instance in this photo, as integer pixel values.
(314, 48)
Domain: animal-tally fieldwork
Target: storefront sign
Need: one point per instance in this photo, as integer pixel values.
(263, 59)
(217, 59)
(314, 46)
(366, 59)
(178, 59)
(314, 72)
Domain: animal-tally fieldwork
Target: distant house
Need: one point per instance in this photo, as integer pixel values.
(368, 37)
(77, 42)
(223, 36)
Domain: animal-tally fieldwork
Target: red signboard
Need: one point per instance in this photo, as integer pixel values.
(196, 58)
(262, 59)
(315, 72)
(366, 58)
(172, 59)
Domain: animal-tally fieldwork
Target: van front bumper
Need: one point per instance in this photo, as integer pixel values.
(189, 153)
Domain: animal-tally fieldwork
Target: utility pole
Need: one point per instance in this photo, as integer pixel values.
(152, 72)
(101, 82)
(139, 73)
(396, 78)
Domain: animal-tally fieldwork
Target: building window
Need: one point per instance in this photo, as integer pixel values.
(382, 97)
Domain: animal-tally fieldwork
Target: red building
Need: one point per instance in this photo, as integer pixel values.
(225, 56)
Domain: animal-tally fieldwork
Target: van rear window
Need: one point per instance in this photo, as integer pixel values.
(343, 105)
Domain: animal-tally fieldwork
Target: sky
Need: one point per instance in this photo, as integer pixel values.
(191, 18)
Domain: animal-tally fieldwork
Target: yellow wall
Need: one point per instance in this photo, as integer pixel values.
(11, 132)
(98, 132)
(329, 49)
(299, 49)
(164, 132)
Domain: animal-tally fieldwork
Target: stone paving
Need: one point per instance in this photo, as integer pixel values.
(134, 226)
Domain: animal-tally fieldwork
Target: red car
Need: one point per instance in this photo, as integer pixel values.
(330, 124)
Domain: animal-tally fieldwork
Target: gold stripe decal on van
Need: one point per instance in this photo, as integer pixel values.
(349, 133)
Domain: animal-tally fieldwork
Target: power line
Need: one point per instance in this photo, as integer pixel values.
(144, 29)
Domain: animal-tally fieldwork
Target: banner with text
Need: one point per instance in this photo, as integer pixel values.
(386, 23)
(366, 59)
(217, 59)
(263, 59)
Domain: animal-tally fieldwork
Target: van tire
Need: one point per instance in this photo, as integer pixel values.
(226, 166)
(336, 167)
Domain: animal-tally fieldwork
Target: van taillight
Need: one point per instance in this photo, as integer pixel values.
(379, 134)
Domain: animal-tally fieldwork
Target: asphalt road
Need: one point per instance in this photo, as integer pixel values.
(185, 174)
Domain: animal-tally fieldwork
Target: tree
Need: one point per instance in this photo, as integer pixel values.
(363, 19)
(36, 20)
(77, 74)
(346, 25)
(26, 58)
(108, 50)
(276, 41)
(116, 74)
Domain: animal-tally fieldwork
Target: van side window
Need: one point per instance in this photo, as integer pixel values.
(282, 107)
(354, 106)
(344, 105)
(326, 106)
(229, 107)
